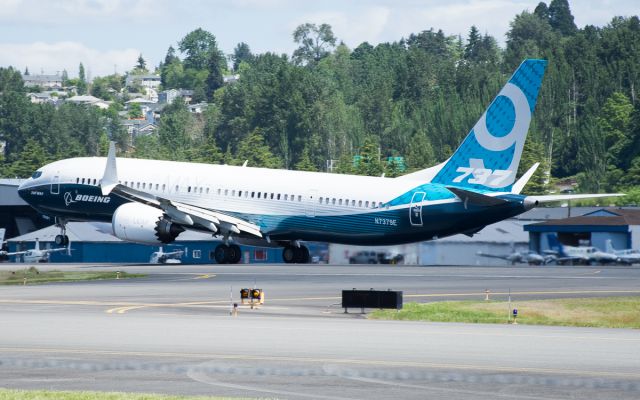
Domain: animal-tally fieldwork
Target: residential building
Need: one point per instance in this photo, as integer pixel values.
(43, 81)
(150, 81)
(168, 96)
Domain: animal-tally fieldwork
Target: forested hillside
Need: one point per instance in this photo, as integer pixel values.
(416, 98)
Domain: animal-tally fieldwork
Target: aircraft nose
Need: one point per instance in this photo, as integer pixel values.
(22, 191)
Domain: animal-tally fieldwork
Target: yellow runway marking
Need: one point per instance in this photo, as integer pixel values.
(314, 360)
(205, 276)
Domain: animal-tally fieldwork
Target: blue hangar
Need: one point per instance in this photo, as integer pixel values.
(620, 225)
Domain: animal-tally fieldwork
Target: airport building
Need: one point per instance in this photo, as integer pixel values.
(16, 216)
(594, 228)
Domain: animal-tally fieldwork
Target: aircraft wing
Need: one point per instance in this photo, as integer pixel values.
(500, 256)
(184, 214)
(15, 253)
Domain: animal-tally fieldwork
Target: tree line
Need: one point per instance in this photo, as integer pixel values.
(415, 98)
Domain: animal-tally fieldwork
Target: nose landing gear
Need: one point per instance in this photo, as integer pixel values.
(62, 239)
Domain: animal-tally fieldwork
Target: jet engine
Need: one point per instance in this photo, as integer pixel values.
(135, 222)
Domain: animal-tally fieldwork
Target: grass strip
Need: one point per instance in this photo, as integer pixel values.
(10, 394)
(601, 312)
(34, 276)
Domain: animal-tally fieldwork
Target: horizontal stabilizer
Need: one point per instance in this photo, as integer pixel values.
(565, 197)
(475, 198)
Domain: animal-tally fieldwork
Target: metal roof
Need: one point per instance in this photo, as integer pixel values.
(9, 192)
(601, 220)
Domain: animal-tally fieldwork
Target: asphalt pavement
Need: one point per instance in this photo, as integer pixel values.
(172, 332)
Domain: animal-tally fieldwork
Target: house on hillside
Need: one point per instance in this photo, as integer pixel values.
(52, 82)
(90, 100)
(149, 81)
(168, 96)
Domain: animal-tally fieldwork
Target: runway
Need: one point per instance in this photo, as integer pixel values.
(172, 333)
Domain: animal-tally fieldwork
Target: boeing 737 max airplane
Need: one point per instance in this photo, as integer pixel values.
(151, 201)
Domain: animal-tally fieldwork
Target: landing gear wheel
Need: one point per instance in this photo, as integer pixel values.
(289, 254)
(62, 240)
(298, 255)
(304, 255)
(234, 254)
(220, 254)
(224, 254)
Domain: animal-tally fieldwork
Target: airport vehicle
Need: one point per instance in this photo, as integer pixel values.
(152, 201)
(374, 257)
(625, 256)
(577, 254)
(171, 257)
(515, 257)
(35, 255)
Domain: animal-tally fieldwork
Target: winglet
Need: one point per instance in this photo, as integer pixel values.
(110, 177)
(524, 179)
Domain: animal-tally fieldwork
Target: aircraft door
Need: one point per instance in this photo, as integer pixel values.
(415, 211)
(310, 203)
(55, 185)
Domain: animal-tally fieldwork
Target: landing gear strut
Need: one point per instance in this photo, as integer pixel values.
(227, 254)
(62, 239)
(294, 254)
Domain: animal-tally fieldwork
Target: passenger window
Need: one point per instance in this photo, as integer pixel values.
(83, 181)
(278, 196)
(188, 189)
(177, 188)
(253, 194)
(207, 190)
(333, 201)
(77, 180)
(258, 194)
(226, 192)
(299, 198)
(366, 204)
(163, 187)
(339, 202)
(320, 200)
(271, 196)
(219, 192)
(286, 197)
(239, 193)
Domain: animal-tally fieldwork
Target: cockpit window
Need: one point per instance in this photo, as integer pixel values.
(36, 175)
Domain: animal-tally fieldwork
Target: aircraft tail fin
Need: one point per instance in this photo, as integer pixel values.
(555, 245)
(489, 156)
(609, 247)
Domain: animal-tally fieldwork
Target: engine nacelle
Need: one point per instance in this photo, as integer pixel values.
(135, 222)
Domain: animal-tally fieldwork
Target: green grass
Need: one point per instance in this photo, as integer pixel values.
(8, 394)
(34, 276)
(609, 312)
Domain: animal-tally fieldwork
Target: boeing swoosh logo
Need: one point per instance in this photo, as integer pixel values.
(68, 199)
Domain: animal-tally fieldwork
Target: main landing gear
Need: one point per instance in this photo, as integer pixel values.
(295, 254)
(62, 239)
(227, 254)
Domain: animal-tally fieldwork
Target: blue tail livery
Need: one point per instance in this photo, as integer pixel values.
(488, 158)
